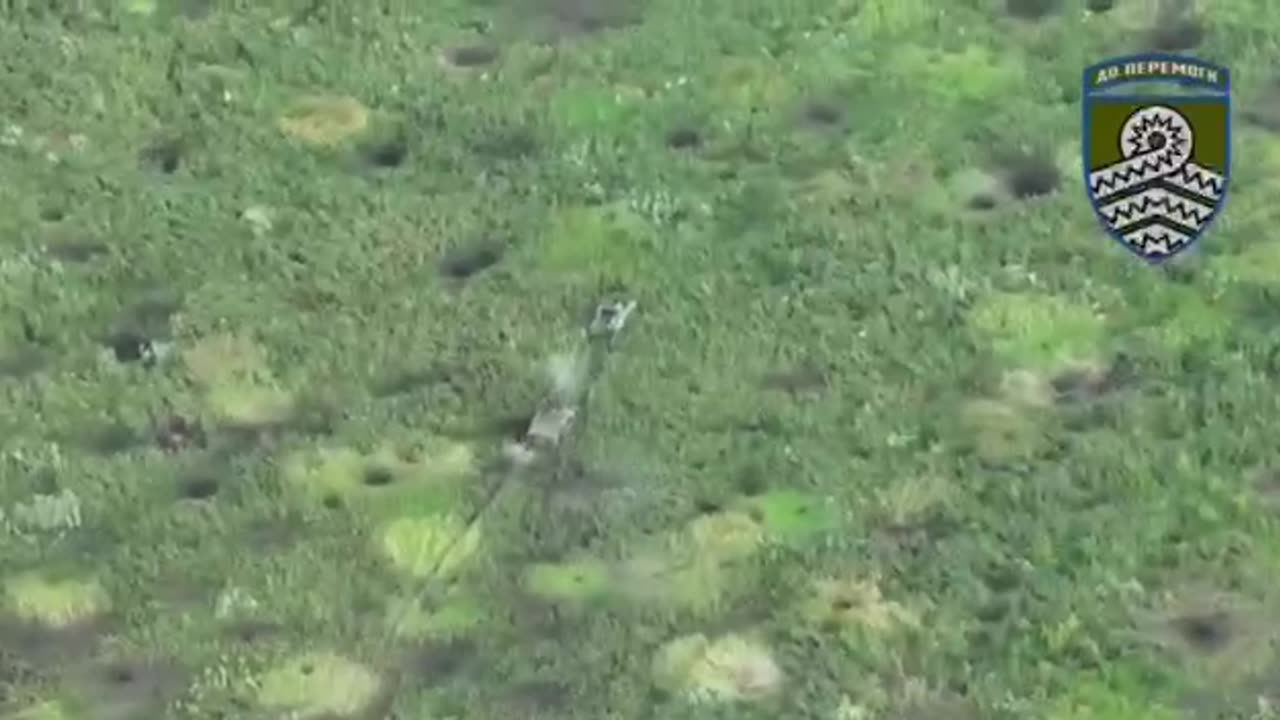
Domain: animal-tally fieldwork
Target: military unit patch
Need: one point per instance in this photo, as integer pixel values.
(1157, 152)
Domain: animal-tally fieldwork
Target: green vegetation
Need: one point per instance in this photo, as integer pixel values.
(319, 685)
(55, 604)
(894, 431)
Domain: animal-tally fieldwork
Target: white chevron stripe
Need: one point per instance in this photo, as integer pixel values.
(1199, 180)
(1157, 202)
(1157, 240)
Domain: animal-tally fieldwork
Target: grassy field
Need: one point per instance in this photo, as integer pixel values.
(895, 430)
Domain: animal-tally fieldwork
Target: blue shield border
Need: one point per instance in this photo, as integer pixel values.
(1221, 94)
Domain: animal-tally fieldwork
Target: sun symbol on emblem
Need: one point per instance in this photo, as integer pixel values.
(1156, 129)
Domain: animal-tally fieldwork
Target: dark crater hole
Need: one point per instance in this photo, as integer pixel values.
(130, 346)
(377, 476)
(751, 481)
(1031, 9)
(111, 438)
(584, 17)
(539, 698)
(708, 507)
(387, 154)
(199, 487)
(120, 674)
(164, 156)
(684, 138)
(464, 263)
(1176, 30)
(823, 114)
(176, 433)
(1206, 633)
(435, 662)
(404, 381)
(76, 250)
(1031, 176)
(471, 56)
(981, 202)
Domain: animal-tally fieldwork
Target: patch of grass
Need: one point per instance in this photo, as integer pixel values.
(429, 546)
(1040, 331)
(320, 684)
(569, 581)
(57, 604)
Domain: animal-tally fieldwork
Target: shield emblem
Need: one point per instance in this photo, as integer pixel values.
(1157, 149)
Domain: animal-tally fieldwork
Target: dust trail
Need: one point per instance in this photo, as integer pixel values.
(549, 448)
